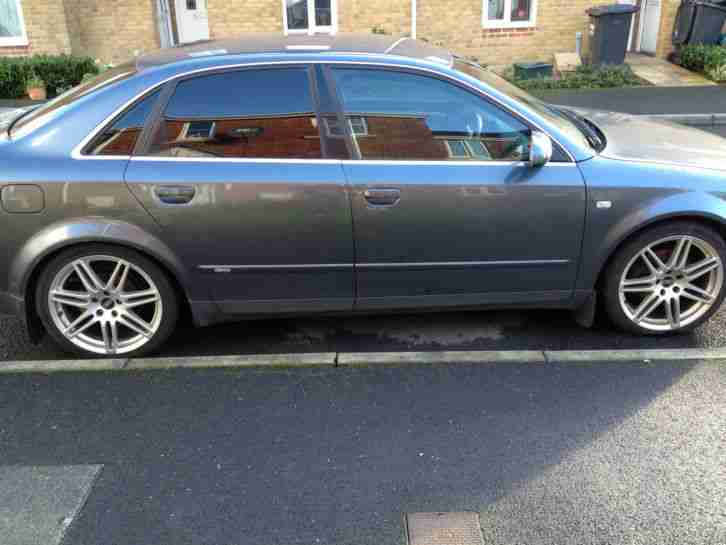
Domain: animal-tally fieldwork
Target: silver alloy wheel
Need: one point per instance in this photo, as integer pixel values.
(105, 304)
(671, 283)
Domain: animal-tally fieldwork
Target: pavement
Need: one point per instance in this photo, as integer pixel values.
(544, 453)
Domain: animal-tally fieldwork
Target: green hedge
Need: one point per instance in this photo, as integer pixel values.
(707, 59)
(59, 72)
(585, 77)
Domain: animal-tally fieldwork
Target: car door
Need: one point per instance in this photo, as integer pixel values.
(236, 176)
(445, 207)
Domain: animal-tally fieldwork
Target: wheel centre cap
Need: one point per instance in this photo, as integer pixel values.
(107, 304)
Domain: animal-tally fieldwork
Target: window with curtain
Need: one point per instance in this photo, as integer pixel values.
(12, 27)
(509, 13)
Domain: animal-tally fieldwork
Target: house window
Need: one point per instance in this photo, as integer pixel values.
(197, 130)
(509, 13)
(468, 149)
(358, 126)
(310, 16)
(12, 25)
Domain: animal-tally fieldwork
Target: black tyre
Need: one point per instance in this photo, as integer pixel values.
(668, 279)
(105, 300)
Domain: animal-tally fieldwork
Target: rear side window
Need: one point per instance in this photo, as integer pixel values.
(265, 113)
(403, 116)
(121, 136)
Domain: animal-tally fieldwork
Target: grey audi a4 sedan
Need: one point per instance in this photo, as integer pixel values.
(274, 175)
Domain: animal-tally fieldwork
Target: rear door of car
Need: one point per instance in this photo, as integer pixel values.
(446, 209)
(247, 191)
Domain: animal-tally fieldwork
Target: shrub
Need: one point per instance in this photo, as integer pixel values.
(59, 72)
(585, 77)
(702, 58)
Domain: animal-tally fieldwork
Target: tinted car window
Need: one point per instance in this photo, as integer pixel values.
(265, 113)
(399, 115)
(121, 136)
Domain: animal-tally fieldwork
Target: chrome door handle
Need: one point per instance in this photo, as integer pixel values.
(382, 197)
(175, 194)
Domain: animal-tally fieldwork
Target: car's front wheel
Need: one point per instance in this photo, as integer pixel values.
(106, 300)
(666, 280)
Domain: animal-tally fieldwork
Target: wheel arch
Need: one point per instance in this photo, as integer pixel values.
(713, 221)
(29, 263)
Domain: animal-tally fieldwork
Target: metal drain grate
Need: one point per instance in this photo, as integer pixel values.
(455, 528)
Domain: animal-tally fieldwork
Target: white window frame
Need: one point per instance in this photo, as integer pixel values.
(507, 22)
(17, 40)
(312, 27)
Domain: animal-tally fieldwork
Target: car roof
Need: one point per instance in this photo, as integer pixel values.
(272, 42)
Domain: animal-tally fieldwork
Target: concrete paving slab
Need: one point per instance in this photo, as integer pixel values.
(424, 358)
(51, 366)
(254, 360)
(662, 73)
(640, 356)
(39, 503)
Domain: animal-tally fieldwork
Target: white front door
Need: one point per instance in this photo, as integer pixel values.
(192, 20)
(650, 25)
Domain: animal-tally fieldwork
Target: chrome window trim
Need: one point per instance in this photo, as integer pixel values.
(392, 162)
(77, 151)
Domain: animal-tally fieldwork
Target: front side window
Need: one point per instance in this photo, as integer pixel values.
(413, 117)
(508, 13)
(12, 25)
(265, 113)
(310, 16)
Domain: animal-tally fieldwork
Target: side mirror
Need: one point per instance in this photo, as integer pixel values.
(540, 149)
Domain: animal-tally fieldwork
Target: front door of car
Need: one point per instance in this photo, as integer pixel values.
(235, 175)
(446, 210)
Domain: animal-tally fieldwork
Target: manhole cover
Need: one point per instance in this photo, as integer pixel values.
(455, 528)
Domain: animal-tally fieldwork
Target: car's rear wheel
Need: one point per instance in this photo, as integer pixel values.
(669, 279)
(106, 300)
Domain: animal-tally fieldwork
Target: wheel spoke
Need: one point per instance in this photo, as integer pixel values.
(679, 257)
(109, 334)
(652, 261)
(135, 323)
(645, 308)
(697, 294)
(638, 285)
(117, 280)
(79, 325)
(673, 312)
(704, 266)
(72, 298)
(137, 298)
(88, 277)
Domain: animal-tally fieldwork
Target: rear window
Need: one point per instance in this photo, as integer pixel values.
(39, 116)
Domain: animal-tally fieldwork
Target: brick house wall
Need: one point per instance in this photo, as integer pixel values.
(112, 31)
(45, 23)
(115, 30)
